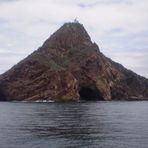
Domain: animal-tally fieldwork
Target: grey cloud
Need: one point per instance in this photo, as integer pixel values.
(104, 2)
(8, 0)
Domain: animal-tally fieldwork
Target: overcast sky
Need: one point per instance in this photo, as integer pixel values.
(119, 27)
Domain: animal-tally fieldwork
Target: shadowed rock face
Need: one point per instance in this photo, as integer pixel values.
(68, 67)
(90, 94)
(2, 97)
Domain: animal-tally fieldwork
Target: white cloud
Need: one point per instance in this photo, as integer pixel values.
(118, 26)
(135, 60)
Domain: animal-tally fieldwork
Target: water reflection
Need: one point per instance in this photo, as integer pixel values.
(60, 125)
(72, 122)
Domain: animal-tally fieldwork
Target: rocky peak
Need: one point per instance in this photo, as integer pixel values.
(69, 67)
(68, 36)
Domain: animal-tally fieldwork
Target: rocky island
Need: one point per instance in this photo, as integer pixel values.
(70, 67)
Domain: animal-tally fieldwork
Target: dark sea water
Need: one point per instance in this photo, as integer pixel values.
(74, 125)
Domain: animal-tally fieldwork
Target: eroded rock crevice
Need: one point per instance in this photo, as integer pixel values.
(2, 96)
(90, 94)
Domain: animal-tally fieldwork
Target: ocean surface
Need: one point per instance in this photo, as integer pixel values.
(74, 125)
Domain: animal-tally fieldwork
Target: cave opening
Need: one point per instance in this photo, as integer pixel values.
(90, 94)
(2, 97)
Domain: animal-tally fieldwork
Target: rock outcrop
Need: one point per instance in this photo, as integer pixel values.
(69, 66)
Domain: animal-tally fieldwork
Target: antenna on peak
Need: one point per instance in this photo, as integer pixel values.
(76, 21)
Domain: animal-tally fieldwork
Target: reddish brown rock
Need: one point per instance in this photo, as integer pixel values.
(70, 67)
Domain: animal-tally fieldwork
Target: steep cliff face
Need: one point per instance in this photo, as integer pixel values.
(69, 66)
